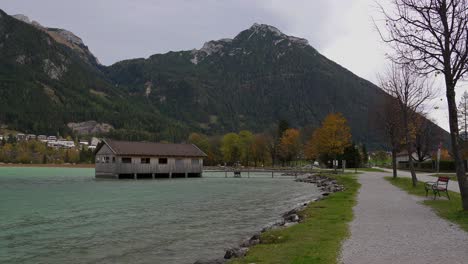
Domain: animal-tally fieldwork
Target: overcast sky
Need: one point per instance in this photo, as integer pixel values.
(116, 30)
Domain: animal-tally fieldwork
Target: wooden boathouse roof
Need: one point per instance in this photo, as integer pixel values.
(131, 148)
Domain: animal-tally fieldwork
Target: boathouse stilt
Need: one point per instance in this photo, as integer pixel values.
(153, 176)
(135, 176)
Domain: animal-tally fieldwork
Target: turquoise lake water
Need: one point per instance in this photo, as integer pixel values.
(62, 215)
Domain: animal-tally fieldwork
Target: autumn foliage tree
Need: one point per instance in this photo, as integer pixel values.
(260, 150)
(290, 145)
(331, 138)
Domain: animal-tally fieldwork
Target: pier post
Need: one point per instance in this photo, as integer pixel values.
(272, 173)
(186, 175)
(170, 175)
(153, 176)
(135, 176)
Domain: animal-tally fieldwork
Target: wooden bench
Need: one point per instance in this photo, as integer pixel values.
(437, 187)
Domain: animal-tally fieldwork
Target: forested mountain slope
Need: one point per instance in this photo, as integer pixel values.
(48, 79)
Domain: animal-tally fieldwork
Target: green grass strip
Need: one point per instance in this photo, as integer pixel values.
(448, 209)
(318, 238)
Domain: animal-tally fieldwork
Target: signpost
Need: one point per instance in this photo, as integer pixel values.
(438, 157)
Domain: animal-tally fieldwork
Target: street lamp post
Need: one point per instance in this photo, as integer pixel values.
(355, 158)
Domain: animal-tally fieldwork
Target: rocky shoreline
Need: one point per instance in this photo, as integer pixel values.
(290, 218)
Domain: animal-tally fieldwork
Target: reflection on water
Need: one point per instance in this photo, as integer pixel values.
(51, 215)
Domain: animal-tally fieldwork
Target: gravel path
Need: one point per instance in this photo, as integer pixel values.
(391, 226)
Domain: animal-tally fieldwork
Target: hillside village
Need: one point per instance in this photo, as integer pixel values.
(53, 141)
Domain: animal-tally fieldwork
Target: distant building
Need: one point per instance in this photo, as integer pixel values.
(403, 157)
(464, 135)
(66, 143)
(30, 137)
(92, 147)
(42, 138)
(124, 159)
(20, 136)
(1, 137)
(61, 144)
(51, 138)
(95, 141)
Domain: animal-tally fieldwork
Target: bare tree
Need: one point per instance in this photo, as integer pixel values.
(427, 138)
(392, 124)
(432, 37)
(410, 92)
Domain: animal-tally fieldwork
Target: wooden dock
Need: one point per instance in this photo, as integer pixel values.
(234, 172)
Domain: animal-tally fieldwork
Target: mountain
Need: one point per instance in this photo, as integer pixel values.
(64, 37)
(250, 82)
(49, 78)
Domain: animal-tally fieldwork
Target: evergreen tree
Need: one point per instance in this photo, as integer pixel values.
(283, 125)
(352, 156)
(11, 139)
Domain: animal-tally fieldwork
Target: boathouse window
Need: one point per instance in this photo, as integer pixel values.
(145, 160)
(106, 159)
(195, 162)
(98, 160)
(162, 160)
(126, 160)
(113, 159)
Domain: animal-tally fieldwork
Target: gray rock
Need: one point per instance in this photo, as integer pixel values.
(236, 252)
(292, 218)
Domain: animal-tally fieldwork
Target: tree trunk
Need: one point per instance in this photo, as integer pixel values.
(409, 148)
(414, 179)
(394, 162)
(460, 166)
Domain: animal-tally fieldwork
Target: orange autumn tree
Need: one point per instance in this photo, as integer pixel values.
(290, 145)
(331, 138)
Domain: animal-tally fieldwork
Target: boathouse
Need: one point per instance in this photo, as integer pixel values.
(138, 160)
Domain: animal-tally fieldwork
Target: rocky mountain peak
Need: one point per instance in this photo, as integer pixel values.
(62, 36)
(236, 46)
(264, 28)
(26, 19)
(69, 36)
(263, 31)
(23, 18)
